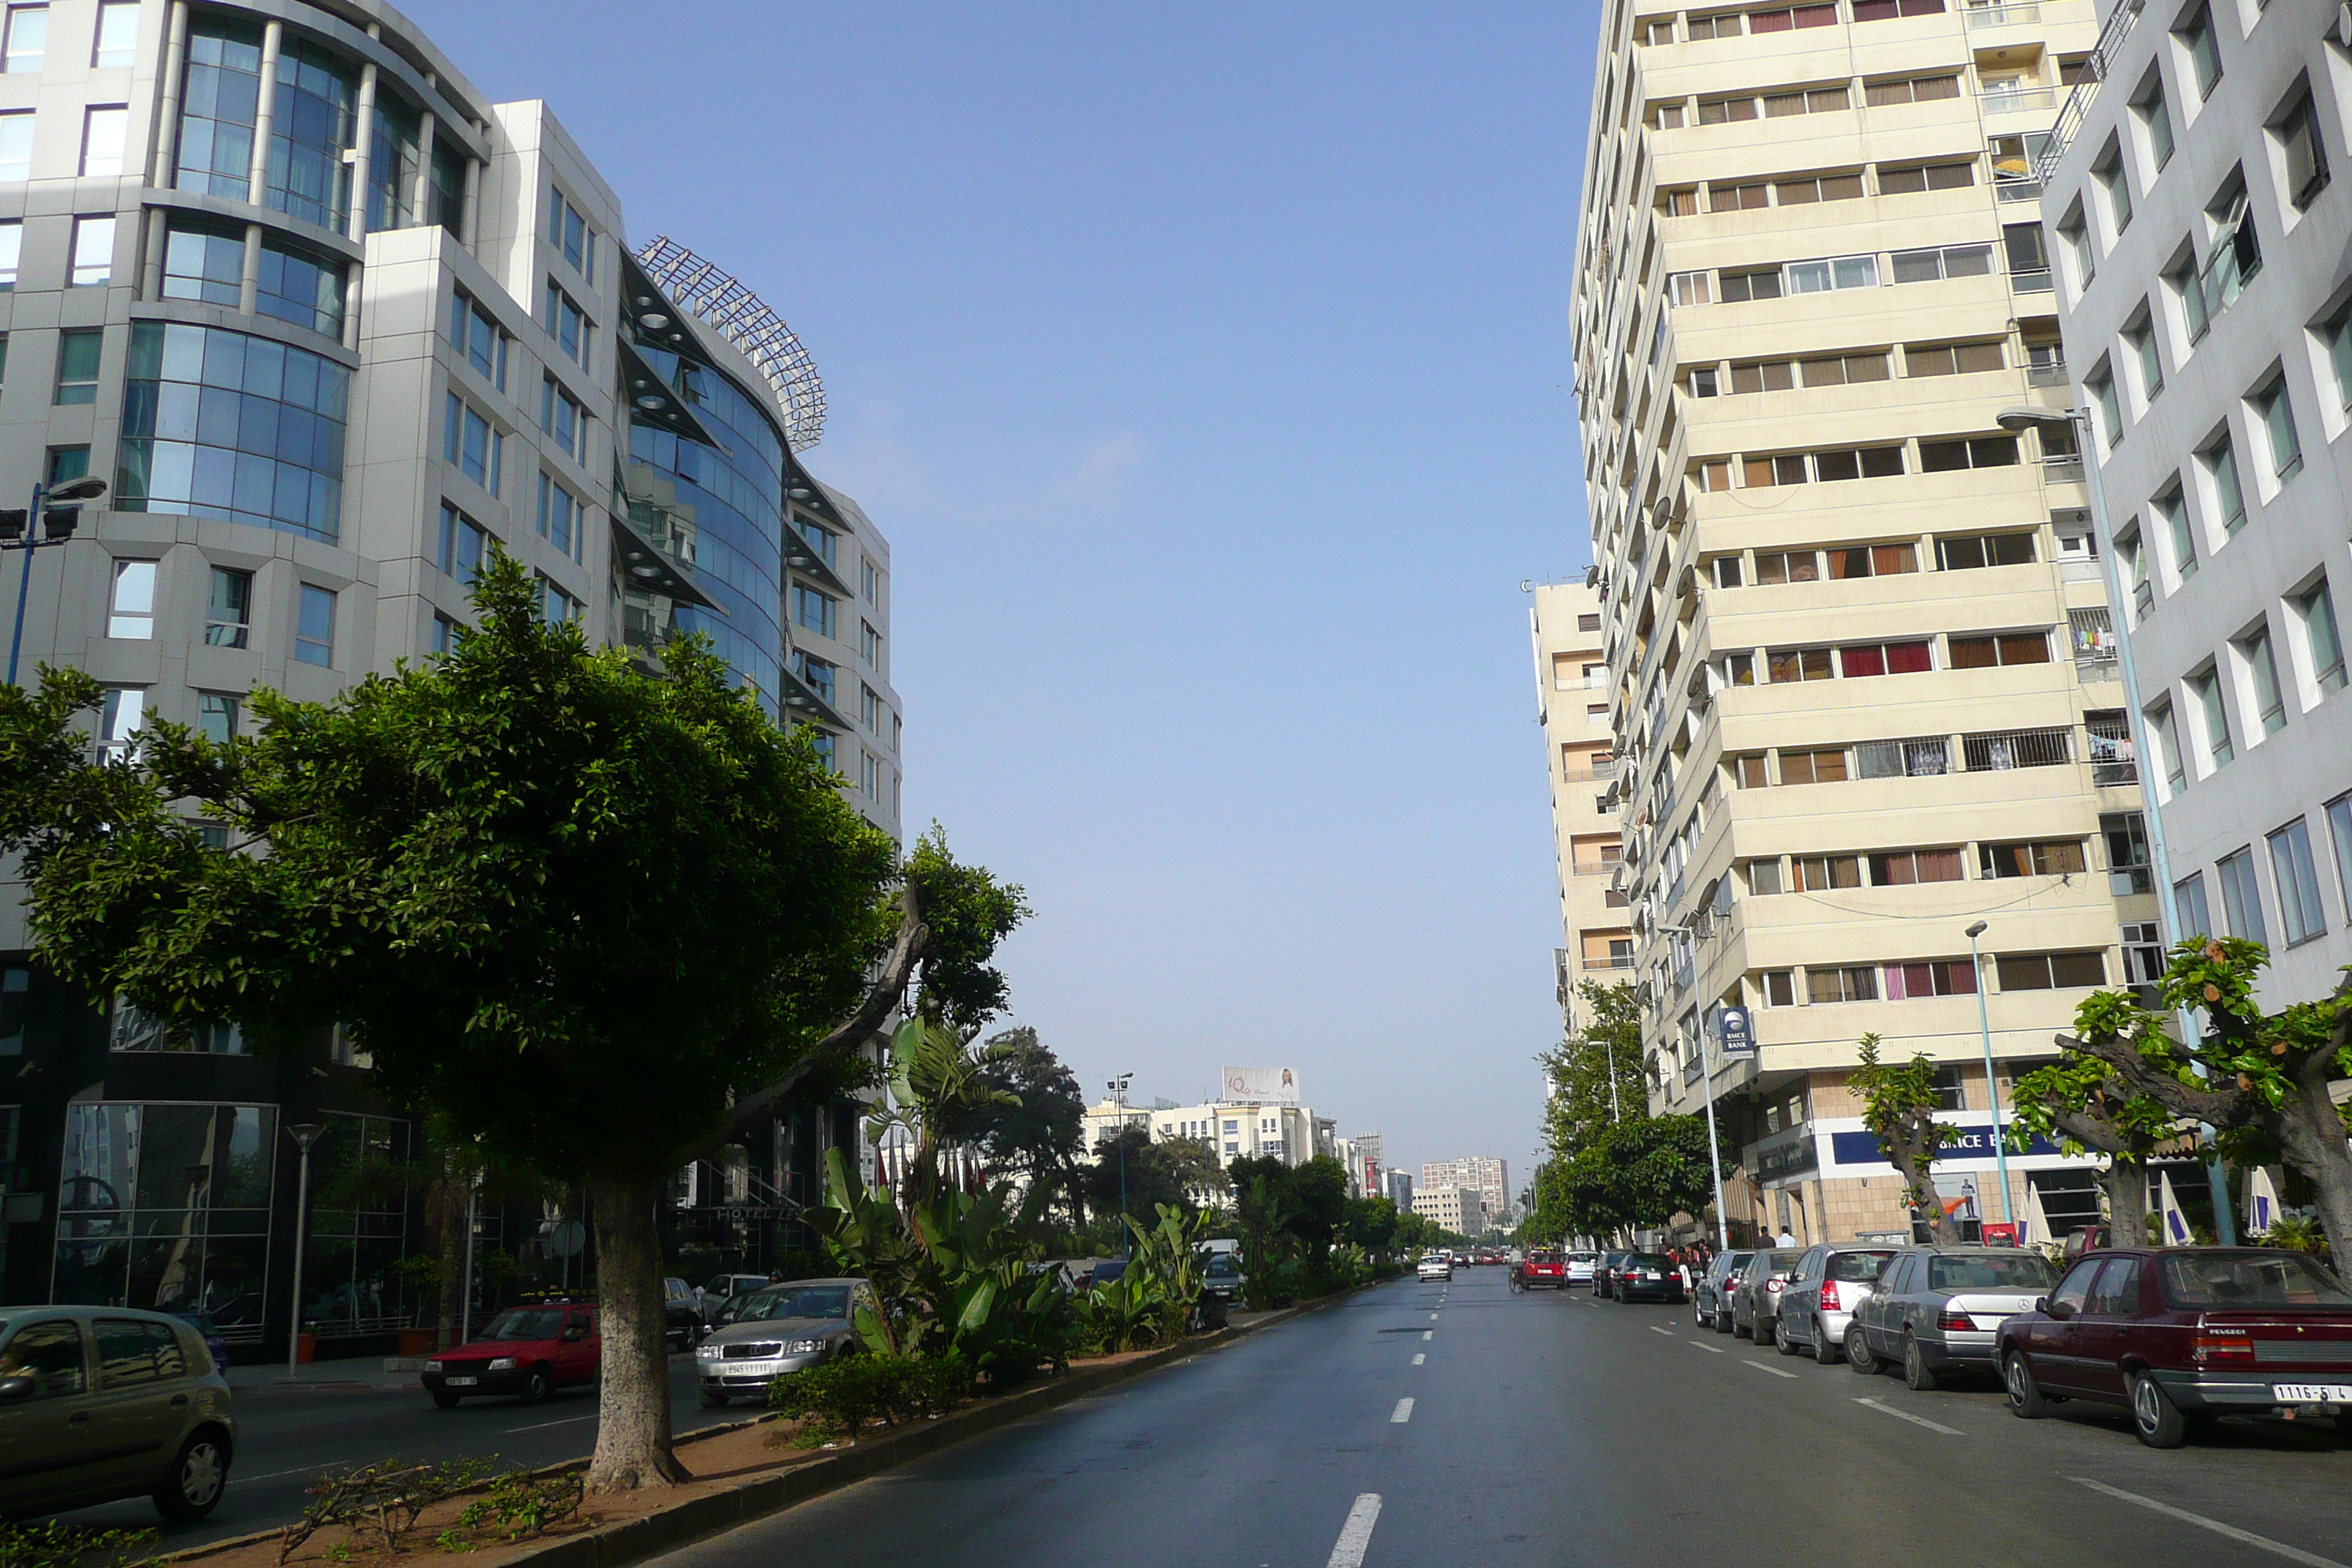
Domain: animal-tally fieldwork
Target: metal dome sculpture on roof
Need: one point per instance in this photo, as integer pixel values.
(744, 319)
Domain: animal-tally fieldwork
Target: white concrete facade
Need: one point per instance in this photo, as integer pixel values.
(2201, 212)
(1462, 1210)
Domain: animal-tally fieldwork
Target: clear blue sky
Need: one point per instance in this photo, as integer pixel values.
(1207, 368)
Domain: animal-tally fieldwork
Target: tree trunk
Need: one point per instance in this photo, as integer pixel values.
(2125, 1181)
(2311, 1138)
(453, 1186)
(1911, 1146)
(633, 1429)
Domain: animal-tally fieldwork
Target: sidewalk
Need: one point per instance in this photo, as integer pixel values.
(360, 1372)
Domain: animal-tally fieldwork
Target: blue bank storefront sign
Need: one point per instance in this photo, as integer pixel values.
(1975, 1142)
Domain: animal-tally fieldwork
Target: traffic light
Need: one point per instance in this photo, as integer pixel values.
(12, 525)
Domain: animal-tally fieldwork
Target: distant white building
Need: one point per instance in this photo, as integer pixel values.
(1462, 1210)
(1489, 1175)
(1291, 1133)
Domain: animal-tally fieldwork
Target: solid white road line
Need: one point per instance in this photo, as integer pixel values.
(1356, 1535)
(277, 1475)
(2262, 1542)
(538, 1425)
(1662, 1329)
(1419, 1359)
(1766, 1366)
(1906, 1415)
(1428, 1333)
(1711, 1349)
(1402, 1413)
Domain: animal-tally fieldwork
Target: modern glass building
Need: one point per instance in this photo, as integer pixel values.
(328, 322)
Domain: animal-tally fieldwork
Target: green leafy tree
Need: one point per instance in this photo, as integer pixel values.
(1371, 1223)
(1039, 1133)
(1898, 1104)
(2263, 1080)
(939, 1094)
(1638, 1173)
(1598, 1076)
(597, 920)
(2080, 1102)
(1157, 1171)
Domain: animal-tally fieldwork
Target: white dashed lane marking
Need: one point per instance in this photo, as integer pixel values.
(1356, 1535)
(1402, 1413)
(1915, 1420)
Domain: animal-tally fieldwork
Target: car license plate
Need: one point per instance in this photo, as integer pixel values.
(2312, 1393)
(460, 1382)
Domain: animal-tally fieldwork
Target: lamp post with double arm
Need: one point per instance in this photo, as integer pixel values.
(59, 508)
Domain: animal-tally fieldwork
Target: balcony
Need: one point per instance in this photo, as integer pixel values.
(2035, 281)
(2063, 468)
(2002, 16)
(2011, 101)
(1611, 961)
(2051, 373)
(2027, 190)
(1593, 867)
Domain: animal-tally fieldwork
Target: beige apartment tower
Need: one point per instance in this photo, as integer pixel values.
(1862, 680)
(1572, 687)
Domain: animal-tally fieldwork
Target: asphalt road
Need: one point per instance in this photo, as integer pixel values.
(1427, 1426)
(287, 1434)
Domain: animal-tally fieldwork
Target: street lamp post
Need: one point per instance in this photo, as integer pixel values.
(58, 525)
(2168, 918)
(1714, 1150)
(1992, 1094)
(304, 1135)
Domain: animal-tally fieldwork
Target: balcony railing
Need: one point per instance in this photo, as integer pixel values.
(2009, 100)
(1625, 962)
(2078, 101)
(2034, 281)
(2046, 374)
(1999, 750)
(2017, 190)
(2002, 16)
(2065, 468)
(1593, 867)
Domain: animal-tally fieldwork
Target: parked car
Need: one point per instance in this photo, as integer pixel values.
(720, 1297)
(1756, 1293)
(1222, 1277)
(1711, 1291)
(101, 1402)
(1434, 1266)
(682, 1312)
(1820, 1299)
(528, 1350)
(206, 1330)
(1937, 1309)
(2183, 1336)
(1604, 1274)
(781, 1329)
(1580, 1268)
(1649, 1276)
(1541, 1271)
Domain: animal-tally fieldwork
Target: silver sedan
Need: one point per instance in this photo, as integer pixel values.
(1937, 1308)
(784, 1328)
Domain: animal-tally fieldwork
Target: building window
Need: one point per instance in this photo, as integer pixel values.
(314, 625)
(395, 157)
(132, 612)
(555, 605)
(2127, 856)
(203, 260)
(1920, 178)
(104, 129)
(2183, 286)
(315, 123)
(2167, 742)
(2261, 665)
(1826, 765)
(2154, 120)
(562, 417)
(2188, 906)
(1982, 452)
(27, 40)
(870, 584)
(1969, 552)
(870, 775)
(216, 717)
(2115, 184)
(2219, 463)
(2214, 715)
(869, 709)
(2298, 882)
(812, 610)
(119, 711)
(117, 41)
(2170, 510)
(568, 231)
(2146, 359)
(471, 444)
(1859, 983)
(474, 332)
(278, 461)
(869, 645)
(77, 355)
(1937, 977)
(17, 146)
(221, 95)
(2241, 897)
(2051, 971)
(2322, 648)
(561, 517)
(445, 635)
(567, 323)
(2275, 414)
(2048, 858)
(2297, 134)
(301, 286)
(2339, 834)
(2203, 48)
(93, 252)
(464, 543)
(228, 615)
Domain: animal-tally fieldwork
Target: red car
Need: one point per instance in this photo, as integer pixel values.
(527, 1351)
(1547, 1269)
(2184, 1335)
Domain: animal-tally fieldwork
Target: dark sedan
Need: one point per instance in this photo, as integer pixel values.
(1649, 1276)
(2185, 1335)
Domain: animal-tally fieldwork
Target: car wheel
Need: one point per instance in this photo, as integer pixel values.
(192, 1488)
(537, 1386)
(1916, 1373)
(2024, 1394)
(1858, 1354)
(445, 1399)
(2156, 1420)
(1824, 1352)
(1781, 1340)
(1737, 1332)
(1722, 1321)
(713, 1401)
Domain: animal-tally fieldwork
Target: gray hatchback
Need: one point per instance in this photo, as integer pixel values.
(102, 1402)
(1819, 1299)
(1755, 1293)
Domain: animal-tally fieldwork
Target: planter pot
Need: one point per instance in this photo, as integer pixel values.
(305, 1347)
(417, 1341)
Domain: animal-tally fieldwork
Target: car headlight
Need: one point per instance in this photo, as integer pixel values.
(805, 1347)
(705, 1352)
(433, 1366)
(503, 1364)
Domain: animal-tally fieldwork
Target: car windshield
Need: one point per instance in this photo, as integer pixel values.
(1649, 1261)
(2250, 1280)
(525, 1323)
(797, 1301)
(1858, 1268)
(1733, 1262)
(1579, 1258)
(1780, 1262)
(1223, 1265)
(2014, 1271)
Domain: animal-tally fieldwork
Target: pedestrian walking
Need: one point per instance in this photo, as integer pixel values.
(1786, 1238)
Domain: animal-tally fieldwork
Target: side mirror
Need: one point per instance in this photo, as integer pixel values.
(2058, 1309)
(17, 1387)
(575, 1334)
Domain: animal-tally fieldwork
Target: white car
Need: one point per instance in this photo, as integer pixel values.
(1436, 1265)
(1581, 1266)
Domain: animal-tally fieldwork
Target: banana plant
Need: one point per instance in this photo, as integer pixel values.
(936, 1096)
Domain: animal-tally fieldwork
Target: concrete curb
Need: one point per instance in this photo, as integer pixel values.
(634, 1540)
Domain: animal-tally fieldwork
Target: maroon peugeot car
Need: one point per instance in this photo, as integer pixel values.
(2186, 1334)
